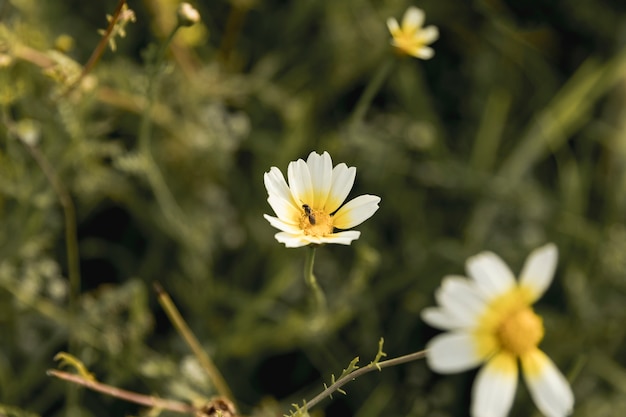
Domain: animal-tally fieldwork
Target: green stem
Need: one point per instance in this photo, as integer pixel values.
(153, 75)
(164, 196)
(309, 277)
(71, 243)
(370, 92)
(378, 366)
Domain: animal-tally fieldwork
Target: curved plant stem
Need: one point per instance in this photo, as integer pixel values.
(205, 361)
(309, 277)
(71, 241)
(130, 396)
(69, 214)
(100, 48)
(361, 371)
(164, 196)
(376, 82)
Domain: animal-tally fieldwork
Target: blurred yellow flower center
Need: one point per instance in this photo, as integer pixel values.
(521, 331)
(315, 222)
(406, 41)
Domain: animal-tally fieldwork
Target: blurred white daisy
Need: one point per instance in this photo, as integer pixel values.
(411, 38)
(490, 320)
(308, 209)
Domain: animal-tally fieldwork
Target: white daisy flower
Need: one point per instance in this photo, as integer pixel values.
(490, 321)
(308, 209)
(410, 38)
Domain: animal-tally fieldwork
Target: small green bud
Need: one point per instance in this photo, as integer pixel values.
(64, 43)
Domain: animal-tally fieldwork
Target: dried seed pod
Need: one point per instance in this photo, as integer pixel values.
(217, 407)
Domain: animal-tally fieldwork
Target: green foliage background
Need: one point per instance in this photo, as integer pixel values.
(513, 135)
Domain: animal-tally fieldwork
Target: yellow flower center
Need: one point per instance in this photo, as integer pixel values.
(406, 40)
(315, 222)
(521, 331)
(509, 324)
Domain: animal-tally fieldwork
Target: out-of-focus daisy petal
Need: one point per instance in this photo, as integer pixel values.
(424, 52)
(429, 34)
(343, 180)
(460, 285)
(547, 386)
(342, 238)
(394, 27)
(442, 319)
(321, 170)
(413, 19)
(461, 299)
(452, 352)
(538, 270)
(492, 276)
(356, 211)
(300, 182)
(494, 388)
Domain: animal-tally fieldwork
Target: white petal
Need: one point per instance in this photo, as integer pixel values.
(493, 277)
(460, 298)
(281, 225)
(284, 209)
(356, 211)
(539, 269)
(494, 389)
(429, 34)
(413, 19)
(300, 182)
(321, 169)
(276, 185)
(291, 240)
(341, 238)
(442, 319)
(343, 180)
(393, 26)
(424, 52)
(548, 387)
(452, 352)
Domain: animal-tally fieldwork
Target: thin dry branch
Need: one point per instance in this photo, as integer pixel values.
(147, 400)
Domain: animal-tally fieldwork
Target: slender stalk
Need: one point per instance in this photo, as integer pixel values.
(153, 75)
(73, 258)
(69, 213)
(361, 371)
(309, 277)
(130, 396)
(100, 48)
(372, 88)
(71, 240)
(181, 326)
(164, 196)
(234, 23)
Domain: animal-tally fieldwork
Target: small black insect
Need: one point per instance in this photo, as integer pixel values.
(309, 213)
